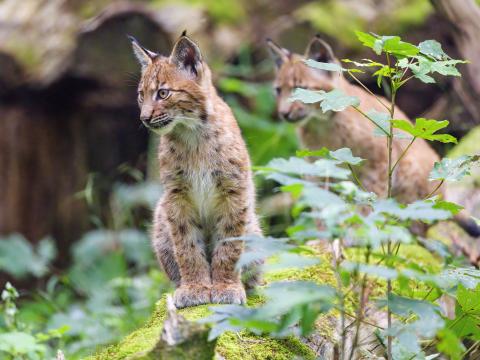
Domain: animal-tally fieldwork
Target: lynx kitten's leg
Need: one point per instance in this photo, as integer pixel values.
(227, 287)
(162, 244)
(189, 247)
(251, 274)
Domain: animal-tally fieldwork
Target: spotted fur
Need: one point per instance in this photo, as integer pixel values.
(205, 172)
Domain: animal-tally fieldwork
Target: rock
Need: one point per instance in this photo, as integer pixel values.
(243, 345)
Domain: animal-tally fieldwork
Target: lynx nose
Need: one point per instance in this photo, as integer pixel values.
(285, 115)
(291, 116)
(145, 114)
(144, 118)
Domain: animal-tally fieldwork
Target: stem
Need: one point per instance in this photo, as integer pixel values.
(355, 177)
(367, 89)
(475, 344)
(341, 300)
(435, 190)
(364, 321)
(403, 153)
(360, 308)
(431, 342)
(393, 89)
(397, 249)
(369, 118)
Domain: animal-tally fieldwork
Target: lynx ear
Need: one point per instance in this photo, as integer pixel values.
(143, 55)
(279, 54)
(319, 50)
(186, 56)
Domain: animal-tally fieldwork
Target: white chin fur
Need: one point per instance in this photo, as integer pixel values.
(164, 130)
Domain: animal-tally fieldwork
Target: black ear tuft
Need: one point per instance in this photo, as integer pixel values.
(186, 55)
(143, 55)
(279, 54)
(319, 50)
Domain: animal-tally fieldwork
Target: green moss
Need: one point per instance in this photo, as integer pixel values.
(414, 254)
(246, 346)
(25, 53)
(321, 273)
(231, 346)
(220, 11)
(420, 256)
(410, 13)
(330, 16)
(469, 144)
(140, 340)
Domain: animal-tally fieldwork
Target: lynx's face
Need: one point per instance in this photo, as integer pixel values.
(171, 91)
(293, 73)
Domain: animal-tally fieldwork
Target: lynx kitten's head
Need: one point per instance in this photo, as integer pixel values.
(173, 91)
(293, 73)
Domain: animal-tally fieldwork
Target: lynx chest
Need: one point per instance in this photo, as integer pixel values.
(203, 194)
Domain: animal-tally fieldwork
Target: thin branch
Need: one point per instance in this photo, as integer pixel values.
(361, 308)
(403, 154)
(435, 190)
(475, 344)
(389, 194)
(367, 89)
(365, 321)
(355, 177)
(431, 342)
(341, 299)
(369, 118)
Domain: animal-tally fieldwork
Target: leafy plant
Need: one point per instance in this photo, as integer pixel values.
(19, 258)
(17, 341)
(408, 294)
(110, 288)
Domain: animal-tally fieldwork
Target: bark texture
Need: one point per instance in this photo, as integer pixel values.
(67, 109)
(461, 105)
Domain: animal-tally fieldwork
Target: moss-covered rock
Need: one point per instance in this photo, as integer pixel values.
(231, 346)
(245, 345)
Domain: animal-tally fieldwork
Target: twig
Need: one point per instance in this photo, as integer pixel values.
(389, 194)
(336, 265)
(355, 177)
(403, 154)
(369, 118)
(367, 89)
(431, 342)
(364, 321)
(435, 190)
(360, 308)
(475, 344)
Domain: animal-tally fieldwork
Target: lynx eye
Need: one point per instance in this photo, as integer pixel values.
(278, 90)
(163, 93)
(140, 96)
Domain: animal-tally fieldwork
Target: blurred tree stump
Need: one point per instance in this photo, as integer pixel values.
(68, 108)
(461, 106)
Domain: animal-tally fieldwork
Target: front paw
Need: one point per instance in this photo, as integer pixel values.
(191, 295)
(228, 294)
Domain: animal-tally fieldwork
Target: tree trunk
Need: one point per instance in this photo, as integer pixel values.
(462, 106)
